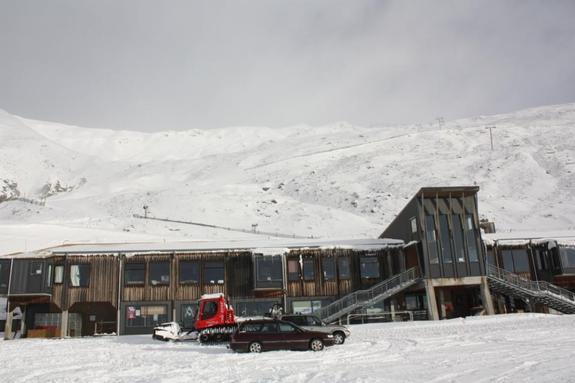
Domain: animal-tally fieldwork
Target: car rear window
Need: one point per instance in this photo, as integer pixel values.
(299, 320)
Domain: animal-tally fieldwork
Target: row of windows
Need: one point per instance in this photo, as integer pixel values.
(159, 273)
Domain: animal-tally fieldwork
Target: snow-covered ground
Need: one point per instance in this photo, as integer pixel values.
(506, 348)
(337, 180)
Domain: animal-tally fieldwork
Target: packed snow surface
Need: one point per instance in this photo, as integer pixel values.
(65, 184)
(506, 348)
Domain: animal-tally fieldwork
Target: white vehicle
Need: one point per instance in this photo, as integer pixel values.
(172, 331)
(313, 323)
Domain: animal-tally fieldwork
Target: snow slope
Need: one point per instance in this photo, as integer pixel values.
(504, 348)
(338, 180)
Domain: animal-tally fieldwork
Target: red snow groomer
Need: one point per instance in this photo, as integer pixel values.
(215, 322)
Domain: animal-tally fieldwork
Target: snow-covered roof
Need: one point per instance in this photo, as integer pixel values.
(561, 237)
(266, 247)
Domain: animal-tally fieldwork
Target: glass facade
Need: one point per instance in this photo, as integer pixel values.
(471, 237)
(458, 238)
(269, 268)
(567, 256)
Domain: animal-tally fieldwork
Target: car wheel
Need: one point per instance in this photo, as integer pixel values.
(316, 345)
(338, 337)
(255, 347)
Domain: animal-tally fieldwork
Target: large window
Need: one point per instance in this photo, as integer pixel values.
(188, 314)
(253, 308)
(431, 239)
(328, 265)
(471, 239)
(189, 272)
(294, 273)
(343, 267)
(458, 238)
(159, 273)
(58, 274)
(80, 275)
(214, 273)
(446, 255)
(516, 260)
(210, 309)
(36, 268)
(369, 267)
(567, 256)
(308, 269)
(269, 268)
(4, 275)
(146, 316)
(305, 307)
(135, 273)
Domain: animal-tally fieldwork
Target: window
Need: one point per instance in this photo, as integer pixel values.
(313, 321)
(458, 238)
(521, 261)
(146, 316)
(251, 327)
(343, 267)
(471, 240)
(294, 273)
(49, 274)
(308, 269)
(269, 268)
(36, 268)
(431, 239)
(210, 310)
(253, 308)
(188, 314)
(328, 264)
(446, 255)
(80, 275)
(491, 257)
(214, 272)
(286, 327)
(507, 258)
(369, 267)
(189, 272)
(135, 273)
(413, 225)
(159, 273)
(305, 307)
(58, 274)
(269, 327)
(567, 256)
(4, 275)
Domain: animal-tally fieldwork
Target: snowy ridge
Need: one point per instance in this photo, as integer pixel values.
(334, 181)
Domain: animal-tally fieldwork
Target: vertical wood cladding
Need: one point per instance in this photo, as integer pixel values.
(103, 286)
(339, 285)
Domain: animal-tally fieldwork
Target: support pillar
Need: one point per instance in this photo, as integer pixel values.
(64, 324)
(486, 297)
(8, 326)
(433, 312)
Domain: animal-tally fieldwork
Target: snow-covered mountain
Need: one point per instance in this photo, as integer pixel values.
(62, 183)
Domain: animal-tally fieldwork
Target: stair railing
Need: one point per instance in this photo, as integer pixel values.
(361, 297)
(535, 286)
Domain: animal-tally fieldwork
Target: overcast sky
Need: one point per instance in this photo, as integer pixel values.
(157, 65)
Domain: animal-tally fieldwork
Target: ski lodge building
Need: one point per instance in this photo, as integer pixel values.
(431, 262)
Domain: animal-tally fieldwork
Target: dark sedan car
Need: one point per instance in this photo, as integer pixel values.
(265, 335)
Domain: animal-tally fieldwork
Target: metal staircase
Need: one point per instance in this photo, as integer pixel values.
(507, 283)
(371, 296)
